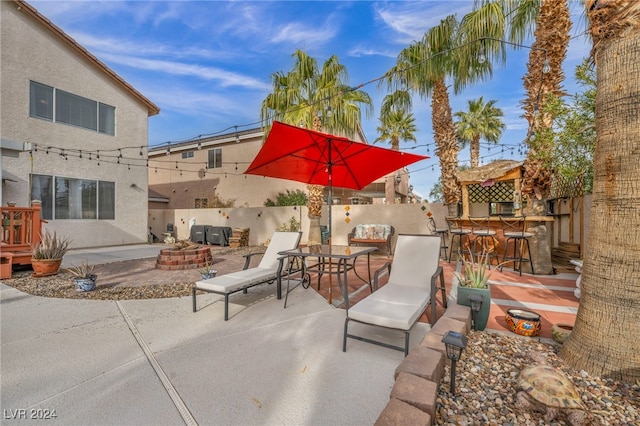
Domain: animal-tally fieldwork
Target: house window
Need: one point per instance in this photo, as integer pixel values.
(201, 203)
(42, 189)
(106, 119)
(76, 110)
(41, 101)
(63, 107)
(74, 198)
(188, 154)
(215, 158)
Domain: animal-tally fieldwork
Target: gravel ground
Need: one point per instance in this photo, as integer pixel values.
(486, 376)
(132, 279)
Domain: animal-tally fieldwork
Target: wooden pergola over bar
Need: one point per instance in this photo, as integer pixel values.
(492, 190)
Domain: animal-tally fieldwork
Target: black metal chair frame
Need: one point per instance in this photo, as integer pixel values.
(456, 230)
(514, 230)
(482, 232)
(444, 236)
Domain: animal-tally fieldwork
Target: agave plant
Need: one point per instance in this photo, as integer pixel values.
(51, 246)
(84, 270)
(476, 273)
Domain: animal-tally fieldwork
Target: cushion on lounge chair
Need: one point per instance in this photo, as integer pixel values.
(266, 271)
(409, 290)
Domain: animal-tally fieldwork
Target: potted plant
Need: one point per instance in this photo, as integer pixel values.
(207, 271)
(84, 276)
(474, 278)
(48, 253)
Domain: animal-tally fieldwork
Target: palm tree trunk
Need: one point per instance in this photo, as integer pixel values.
(446, 143)
(604, 341)
(474, 146)
(315, 201)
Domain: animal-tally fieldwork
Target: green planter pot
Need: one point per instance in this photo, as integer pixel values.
(483, 315)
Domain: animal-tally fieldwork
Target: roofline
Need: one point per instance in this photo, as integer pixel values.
(205, 141)
(152, 108)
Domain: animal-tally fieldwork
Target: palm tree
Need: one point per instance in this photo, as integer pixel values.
(396, 124)
(423, 68)
(304, 96)
(480, 121)
(602, 342)
(549, 22)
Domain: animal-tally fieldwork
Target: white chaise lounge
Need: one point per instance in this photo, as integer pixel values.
(270, 268)
(411, 288)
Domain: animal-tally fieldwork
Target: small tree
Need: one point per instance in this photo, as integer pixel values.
(290, 198)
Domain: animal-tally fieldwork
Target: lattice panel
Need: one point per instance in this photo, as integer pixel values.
(562, 187)
(499, 192)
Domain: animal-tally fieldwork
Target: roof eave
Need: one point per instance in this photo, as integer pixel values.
(152, 108)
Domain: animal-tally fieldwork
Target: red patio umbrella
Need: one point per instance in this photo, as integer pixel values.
(317, 158)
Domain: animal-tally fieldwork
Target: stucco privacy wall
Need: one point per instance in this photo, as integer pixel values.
(30, 52)
(263, 221)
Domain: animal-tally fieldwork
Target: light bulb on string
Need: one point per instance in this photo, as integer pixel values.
(546, 68)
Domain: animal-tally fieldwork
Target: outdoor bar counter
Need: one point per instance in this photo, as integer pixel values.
(494, 224)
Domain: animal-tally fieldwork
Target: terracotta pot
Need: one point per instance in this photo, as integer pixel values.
(560, 332)
(45, 267)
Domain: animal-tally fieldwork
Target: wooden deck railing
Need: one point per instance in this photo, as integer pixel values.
(21, 230)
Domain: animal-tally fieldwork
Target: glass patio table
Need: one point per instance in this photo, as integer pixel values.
(333, 260)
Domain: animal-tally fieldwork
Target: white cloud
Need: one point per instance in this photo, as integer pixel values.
(223, 77)
(410, 20)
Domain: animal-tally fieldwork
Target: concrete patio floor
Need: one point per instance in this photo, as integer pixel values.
(156, 362)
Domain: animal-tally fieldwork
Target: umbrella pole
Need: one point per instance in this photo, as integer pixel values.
(330, 202)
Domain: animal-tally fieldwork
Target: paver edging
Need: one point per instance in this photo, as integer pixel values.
(405, 395)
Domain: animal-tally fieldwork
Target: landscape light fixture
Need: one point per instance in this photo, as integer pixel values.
(454, 343)
(476, 300)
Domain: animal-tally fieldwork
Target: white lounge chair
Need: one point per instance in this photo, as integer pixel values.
(410, 289)
(269, 270)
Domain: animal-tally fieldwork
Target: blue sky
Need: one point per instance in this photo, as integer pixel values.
(207, 64)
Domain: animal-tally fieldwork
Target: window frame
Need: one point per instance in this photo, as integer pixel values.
(69, 108)
(212, 157)
(88, 204)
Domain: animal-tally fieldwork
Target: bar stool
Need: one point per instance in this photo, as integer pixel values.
(514, 230)
(443, 233)
(456, 230)
(486, 238)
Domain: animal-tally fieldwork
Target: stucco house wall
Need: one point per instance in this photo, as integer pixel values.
(183, 180)
(33, 49)
(182, 176)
